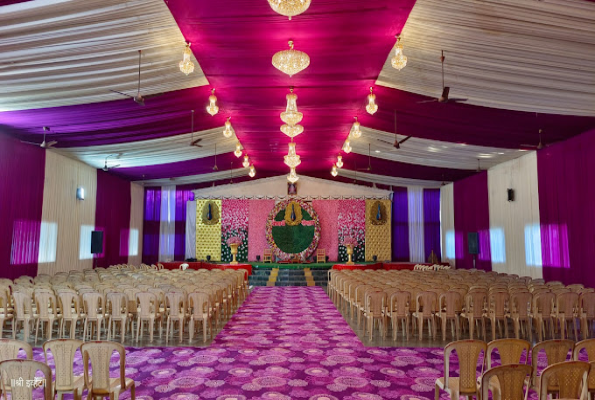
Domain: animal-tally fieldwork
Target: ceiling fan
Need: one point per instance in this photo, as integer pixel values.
(105, 167)
(397, 143)
(369, 167)
(215, 167)
(445, 89)
(44, 144)
(138, 99)
(193, 142)
(537, 146)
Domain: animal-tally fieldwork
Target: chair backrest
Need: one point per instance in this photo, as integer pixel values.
(176, 302)
(67, 300)
(570, 377)
(9, 349)
(521, 304)
(375, 302)
(198, 303)
(63, 351)
(22, 304)
(21, 375)
(511, 379)
(118, 304)
(556, 351)
(45, 301)
(468, 352)
(510, 351)
(474, 302)
(587, 304)
(451, 301)
(92, 302)
(97, 354)
(567, 303)
(497, 303)
(427, 302)
(400, 303)
(543, 303)
(148, 303)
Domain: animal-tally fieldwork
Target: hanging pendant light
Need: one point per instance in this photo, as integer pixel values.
(238, 151)
(372, 107)
(356, 133)
(186, 65)
(252, 172)
(291, 61)
(212, 107)
(292, 177)
(291, 116)
(292, 160)
(246, 162)
(334, 171)
(399, 60)
(289, 8)
(228, 132)
(339, 162)
(347, 147)
(292, 131)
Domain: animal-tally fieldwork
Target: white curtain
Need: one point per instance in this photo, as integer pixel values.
(515, 237)
(191, 229)
(167, 228)
(447, 223)
(67, 223)
(415, 202)
(135, 241)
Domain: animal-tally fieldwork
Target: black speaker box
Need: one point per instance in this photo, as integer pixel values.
(473, 242)
(510, 193)
(96, 242)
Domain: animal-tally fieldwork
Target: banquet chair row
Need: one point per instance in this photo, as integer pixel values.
(18, 376)
(569, 371)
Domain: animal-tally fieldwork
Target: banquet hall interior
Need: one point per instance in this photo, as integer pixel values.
(297, 199)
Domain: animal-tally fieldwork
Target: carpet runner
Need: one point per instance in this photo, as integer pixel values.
(283, 343)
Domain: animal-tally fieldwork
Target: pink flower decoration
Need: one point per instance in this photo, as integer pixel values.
(349, 241)
(234, 240)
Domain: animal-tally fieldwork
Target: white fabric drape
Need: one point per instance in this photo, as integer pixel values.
(135, 241)
(514, 226)
(415, 202)
(447, 223)
(167, 228)
(73, 52)
(521, 55)
(67, 223)
(190, 229)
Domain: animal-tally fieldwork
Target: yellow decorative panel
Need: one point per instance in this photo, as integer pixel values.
(378, 231)
(208, 237)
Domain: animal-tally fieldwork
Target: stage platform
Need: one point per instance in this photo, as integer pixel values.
(312, 266)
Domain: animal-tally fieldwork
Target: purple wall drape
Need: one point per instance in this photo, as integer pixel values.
(472, 214)
(151, 223)
(112, 216)
(400, 225)
(432, 222)
(566, 173)
(182, 196)
(22, 175)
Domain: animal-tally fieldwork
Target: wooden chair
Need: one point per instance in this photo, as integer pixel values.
(465, 384)
(24, 371)
(589, 347)
(321, 255)
(556, 352)
(510, 380)
(427, 305)
(97, 354)
(568, 380)
(63, 351)
(267, 256)
(199, 311)
(296, 259)
(448, 304)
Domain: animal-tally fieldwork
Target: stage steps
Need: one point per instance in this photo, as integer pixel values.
(287, 277)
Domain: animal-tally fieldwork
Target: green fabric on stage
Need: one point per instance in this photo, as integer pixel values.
(257, 265)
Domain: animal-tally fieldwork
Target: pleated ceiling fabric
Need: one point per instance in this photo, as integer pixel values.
(515, 230)
(136, 224)
(67, 222)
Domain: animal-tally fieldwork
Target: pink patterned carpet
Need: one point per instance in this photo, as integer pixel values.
(283, 343)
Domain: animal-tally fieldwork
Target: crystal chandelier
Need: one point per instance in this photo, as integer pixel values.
(356, 133)
(238, 151)
(252, 172)
(212, 107)
(246, 162)
(292, 131)
(291, 116)
(289, 8)
(227, 132)
(339, 162)
(372, 107)
(186, 65)
(292, 160)
(291, 61)
(399, 61)
(334, 171)
(347, 147)
(292, 177)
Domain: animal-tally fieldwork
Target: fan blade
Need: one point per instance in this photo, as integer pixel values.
(153, 95)
(33, 143)
(384, 141)
(51, 143)
(123, 94)
(405, 139)
(456, 100)
(427, 101)
(195, 143)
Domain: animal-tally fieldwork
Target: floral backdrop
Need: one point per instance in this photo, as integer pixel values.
(234, 222)
(327, 214)
(259, 211)
(351, 221)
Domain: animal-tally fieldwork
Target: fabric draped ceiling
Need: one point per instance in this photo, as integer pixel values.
(21, 184)
(471, 214)
(566, 173)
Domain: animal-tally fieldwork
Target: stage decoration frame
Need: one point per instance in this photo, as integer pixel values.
(377, 214)
(208, 236)
(271, 222)
(210, 213)
(295, 208)
(234, 224)
(378, 236)
(351, 221)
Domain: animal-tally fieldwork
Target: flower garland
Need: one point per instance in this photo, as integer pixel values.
(271, 222)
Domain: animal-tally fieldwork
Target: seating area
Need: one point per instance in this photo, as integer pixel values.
(122, 302)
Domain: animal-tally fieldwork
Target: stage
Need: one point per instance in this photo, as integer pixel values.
(313, 266)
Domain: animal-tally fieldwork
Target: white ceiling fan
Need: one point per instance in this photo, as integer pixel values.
(44, 144)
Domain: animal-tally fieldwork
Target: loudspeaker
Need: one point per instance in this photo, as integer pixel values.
(96, 242)
(473, 242)
(510, 194)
